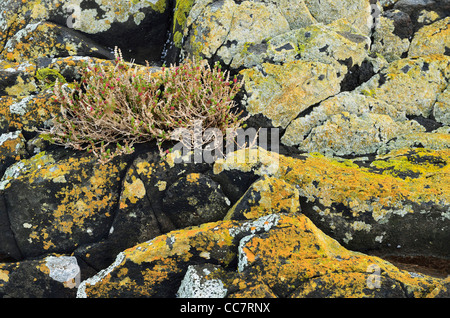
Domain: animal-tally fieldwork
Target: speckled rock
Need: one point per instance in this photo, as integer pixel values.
(108, 23)
(441, 109)
(432, 39)
(281, 92)
(237, 33)
(56, 203)
(12, 149)
(46, 39)
(349, 123)
(418, 80)
(28, 114)
(266, 196)
(17, 79)
(367, 206)
(33, 279)
(277, 255)
(391, 37)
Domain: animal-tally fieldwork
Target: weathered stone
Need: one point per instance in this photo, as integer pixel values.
(367, 207)
(33, 279)
(56, 204)
(282, 92)
(193, 200)
(12, 149)
(45, 39)
(441, 109)
(265, 196)
(237, 33)
(388, 40)
(432, 39)
(17, 79)
(348, 124)
(416, 80)
(108, 23)
(278, 256)
(28, 114)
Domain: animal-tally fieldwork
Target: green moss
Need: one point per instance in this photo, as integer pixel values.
(47, 77)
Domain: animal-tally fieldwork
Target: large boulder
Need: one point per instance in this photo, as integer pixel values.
(233, 32)
(57, 202)
(277, 255)
(108, 23)
(398, 203)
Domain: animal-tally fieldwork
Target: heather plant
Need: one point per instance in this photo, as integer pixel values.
(113, 108)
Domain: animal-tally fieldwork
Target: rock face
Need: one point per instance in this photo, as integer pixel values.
(357, 91)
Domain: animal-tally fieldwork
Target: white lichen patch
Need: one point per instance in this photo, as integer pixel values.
(20, 108)
(195, 285)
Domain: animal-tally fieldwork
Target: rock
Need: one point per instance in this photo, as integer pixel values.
(348, 124)
(419, 80)
(391, 37)
(193, 200)
(279, 255)
(432, 39)
(441, 109)
(265, 196)
(237, 33)
(17, 79)
(55, 204)
(339, 44)
(28, 114)
(417, 9)
(195, 283)
(12, 149)
(281, 92)
(156, 268)
(33, 279)
(45, 39)
(367, 206)
(221, 30)
(111, 23)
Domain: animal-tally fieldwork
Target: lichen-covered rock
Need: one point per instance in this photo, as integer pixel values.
(195, 199)
(338, 44)
(367, 207)
(441, 109)
(12, 149)
(55, 204)
(277, 255)
(349, 123)
(416, 80)
(432, 39)
(423, 12)
(17, 79)
(156, 268)
(224, 29)
(281, 92)
(28, 114)
(391, 37)
(237, 33)
(108, 23)
(36, 279)
(46, 39)
(266, 196)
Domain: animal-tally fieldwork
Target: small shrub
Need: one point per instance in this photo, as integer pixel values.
(112, 109)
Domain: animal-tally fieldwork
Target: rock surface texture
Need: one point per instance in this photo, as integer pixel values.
(358, 92)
